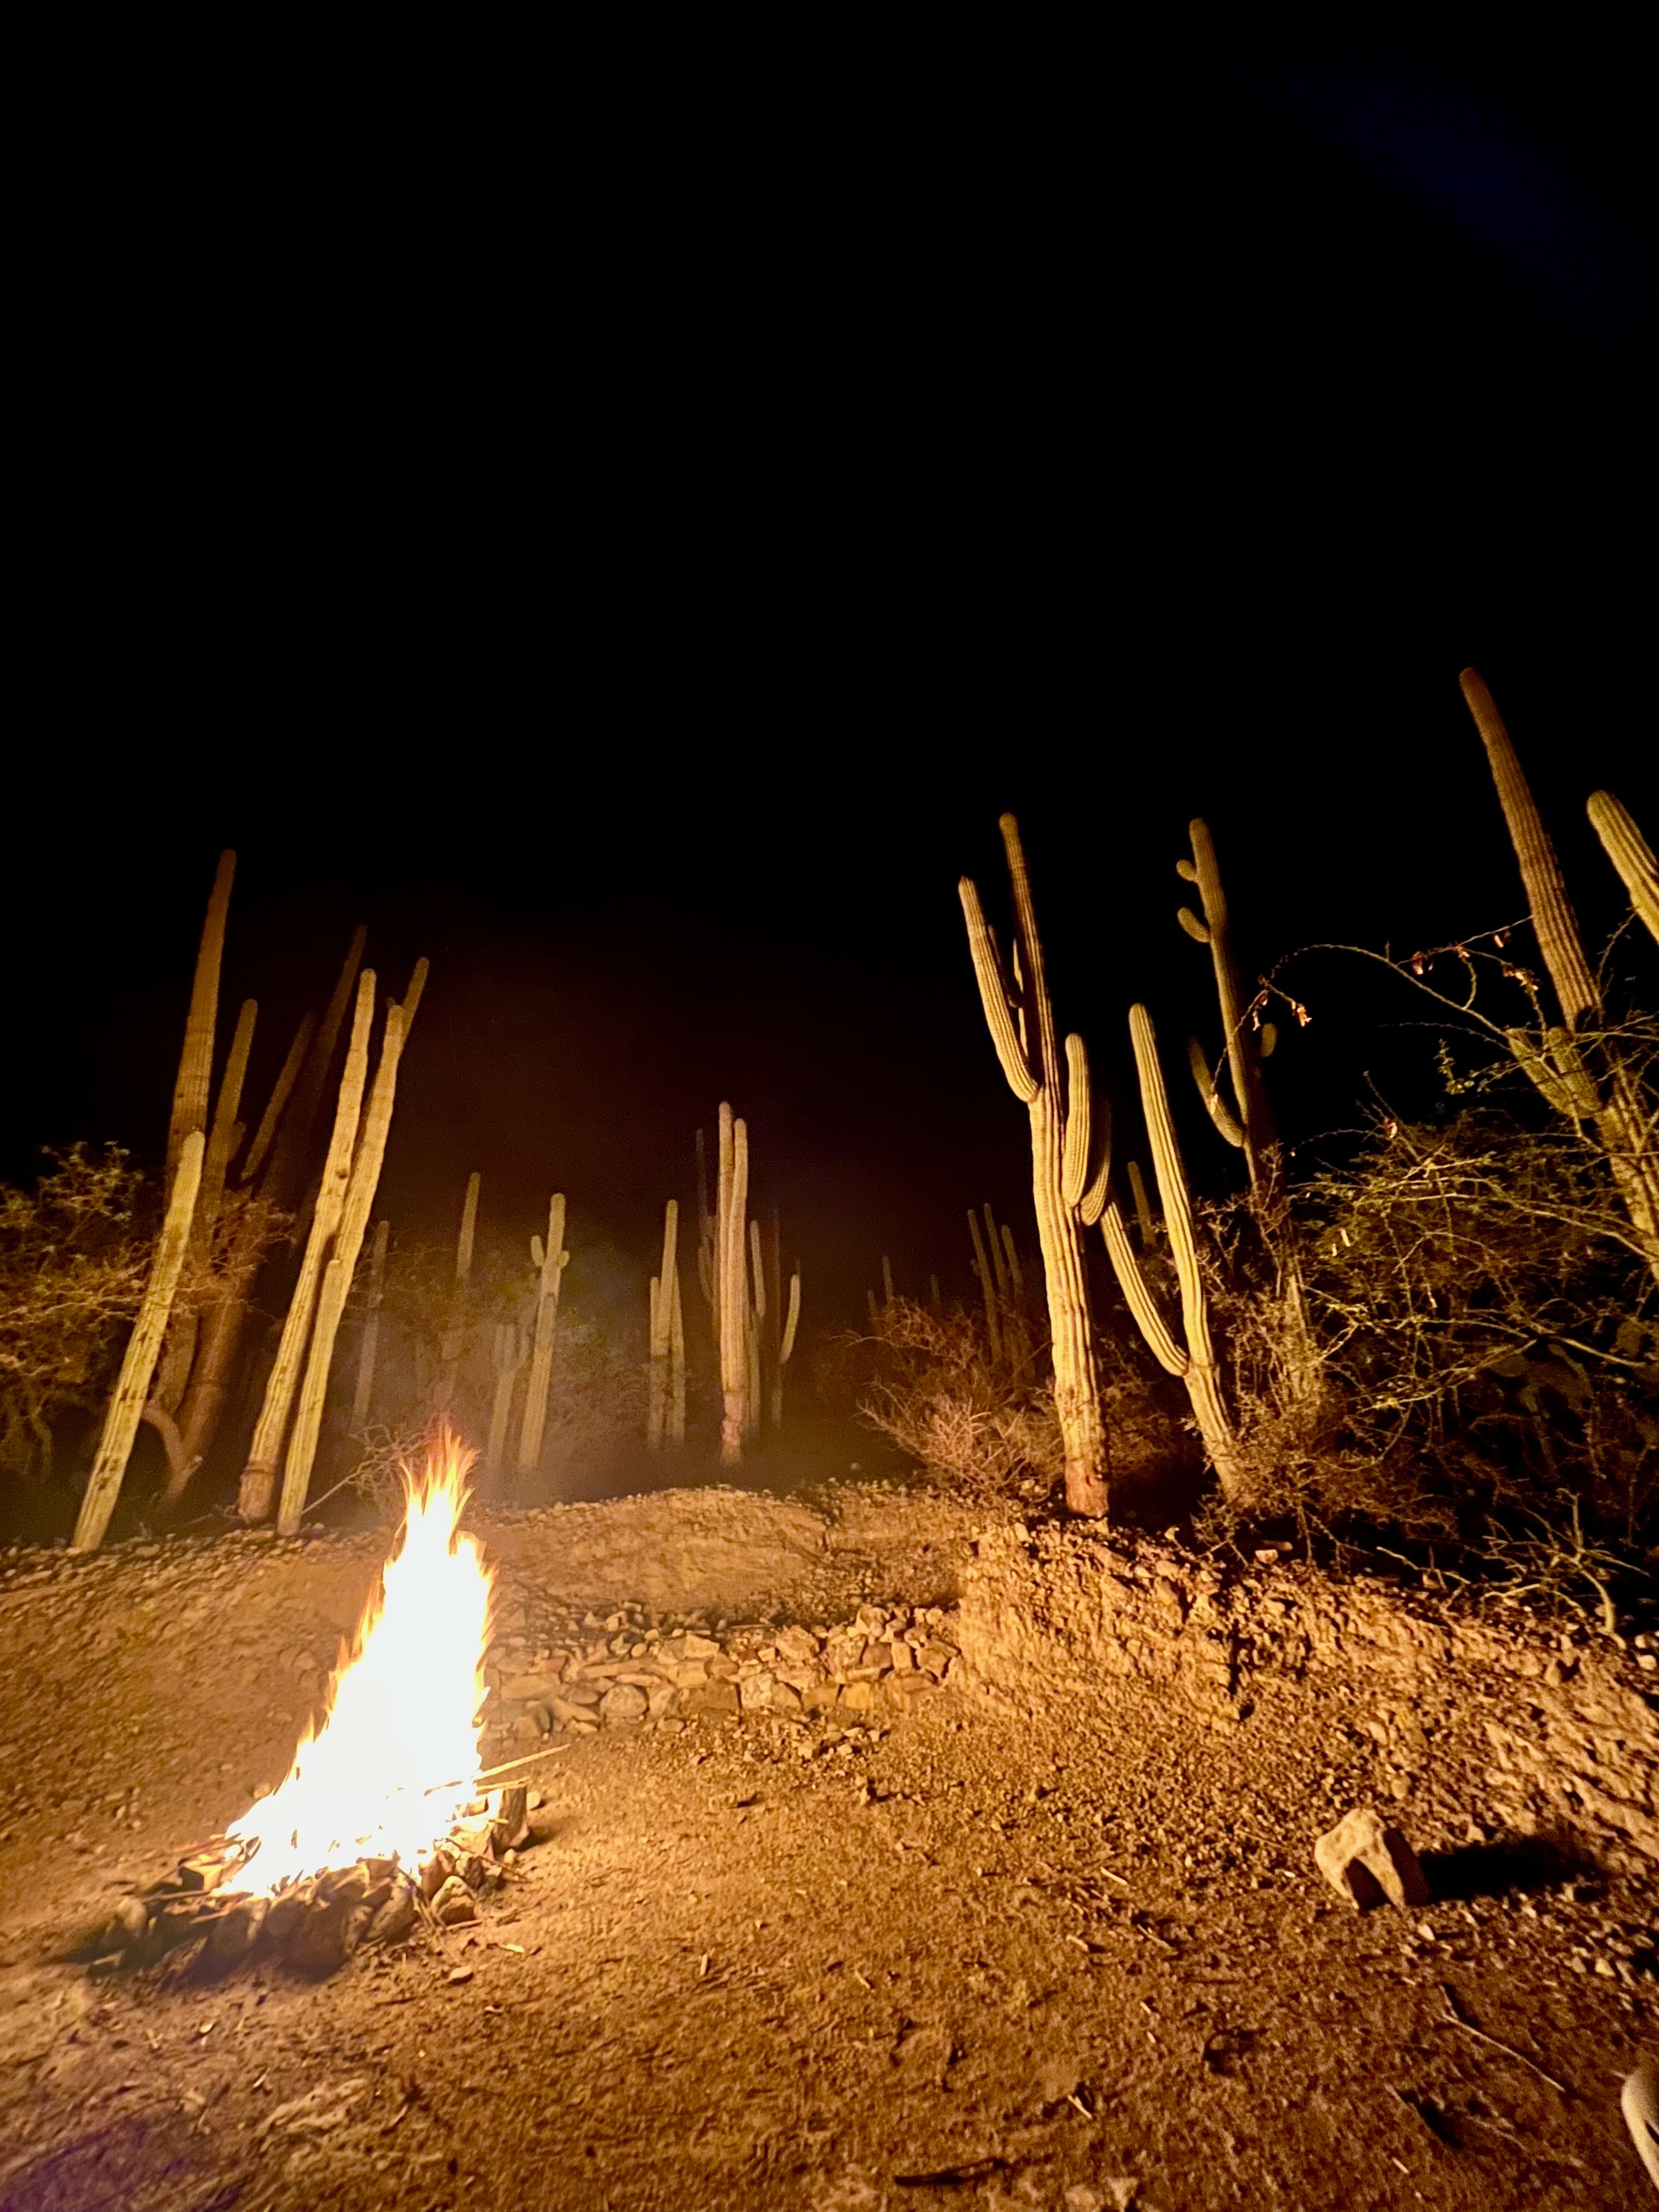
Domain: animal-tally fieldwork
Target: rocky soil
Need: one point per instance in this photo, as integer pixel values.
(882, 1859)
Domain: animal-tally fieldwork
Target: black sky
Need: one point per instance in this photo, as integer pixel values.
(631, 546)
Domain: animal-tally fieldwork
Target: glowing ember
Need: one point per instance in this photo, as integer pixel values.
(395, 1761)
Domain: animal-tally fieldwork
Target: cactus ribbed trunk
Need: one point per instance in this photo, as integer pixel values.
(369, 1345)
(732, 1285)
(191, 1089)
(259, 1481)
(455, 1341)
(1061, 1150)
(352, 1226)
(675, 1362)
(131, 1392)
(664, 1291)
(555, 1260)
(509, 1360)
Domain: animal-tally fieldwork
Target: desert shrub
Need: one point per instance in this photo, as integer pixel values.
(1464, 1352)
(73, 1257)
(933, 1390)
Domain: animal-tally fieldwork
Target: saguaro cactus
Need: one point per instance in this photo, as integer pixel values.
(675, 1362)
(665, 1290)
(454, 1338)
(507, 1365)
(1583, 1076)
(731, 1283)
(127, 1404)
(369, 1344)
(191, 1089)
(258, 1481)
(352, 1223)
(1250, 1127)
(552, 1259)
(1195, 1362)
(1062, 1185)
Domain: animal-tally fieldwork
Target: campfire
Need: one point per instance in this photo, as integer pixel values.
(380, 1821)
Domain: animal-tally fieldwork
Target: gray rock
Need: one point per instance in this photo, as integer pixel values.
(622, 1705)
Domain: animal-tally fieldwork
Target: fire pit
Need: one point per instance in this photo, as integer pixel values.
(382, 1822)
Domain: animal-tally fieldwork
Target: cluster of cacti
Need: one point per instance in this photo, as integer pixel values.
(181, 1357)
(1068, 1182)
(1002, 1280)
(741, 1277)
(665, 1381)
(1575, 1063)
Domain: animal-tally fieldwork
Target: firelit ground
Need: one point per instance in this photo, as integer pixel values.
(945, 1952)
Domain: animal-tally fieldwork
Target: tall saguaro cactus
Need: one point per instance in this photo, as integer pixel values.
(258, 1481)
(731, 1283)
(665, 1290)
(1195, 1362)
(1016, 1003)
(367, 1159)
(552, 1259)
(1250, 1127)
(189, 1091)
(1578, 1071)
(127, 1404)
(369, 1345)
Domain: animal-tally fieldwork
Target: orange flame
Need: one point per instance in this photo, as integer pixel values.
(395, 1758)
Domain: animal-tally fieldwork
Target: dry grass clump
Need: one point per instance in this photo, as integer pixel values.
(932, 1386)
(73, 1258)
(1462, 1354)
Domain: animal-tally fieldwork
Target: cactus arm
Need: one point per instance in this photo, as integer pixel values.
(1552, 917)
(1534, 1064)
(1144, 1219)
(1138, 1296)
(1210, 1091)
(792, 1320)
(757, 1272)
(1074, 1154)
(1254, 1118)
(1092, 1203)
(412, 996)
(996, 996)
(1035, 985)
(1630, 852)
(1172, 1186)
(1193, 927)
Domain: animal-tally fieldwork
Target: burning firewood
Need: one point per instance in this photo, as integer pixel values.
(380, 1822)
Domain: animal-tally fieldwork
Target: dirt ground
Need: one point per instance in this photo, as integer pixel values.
(954, 1956)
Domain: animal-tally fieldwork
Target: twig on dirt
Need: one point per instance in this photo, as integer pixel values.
(1456, 2020)
(945, 2176)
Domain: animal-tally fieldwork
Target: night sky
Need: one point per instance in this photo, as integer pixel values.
(637, 574)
